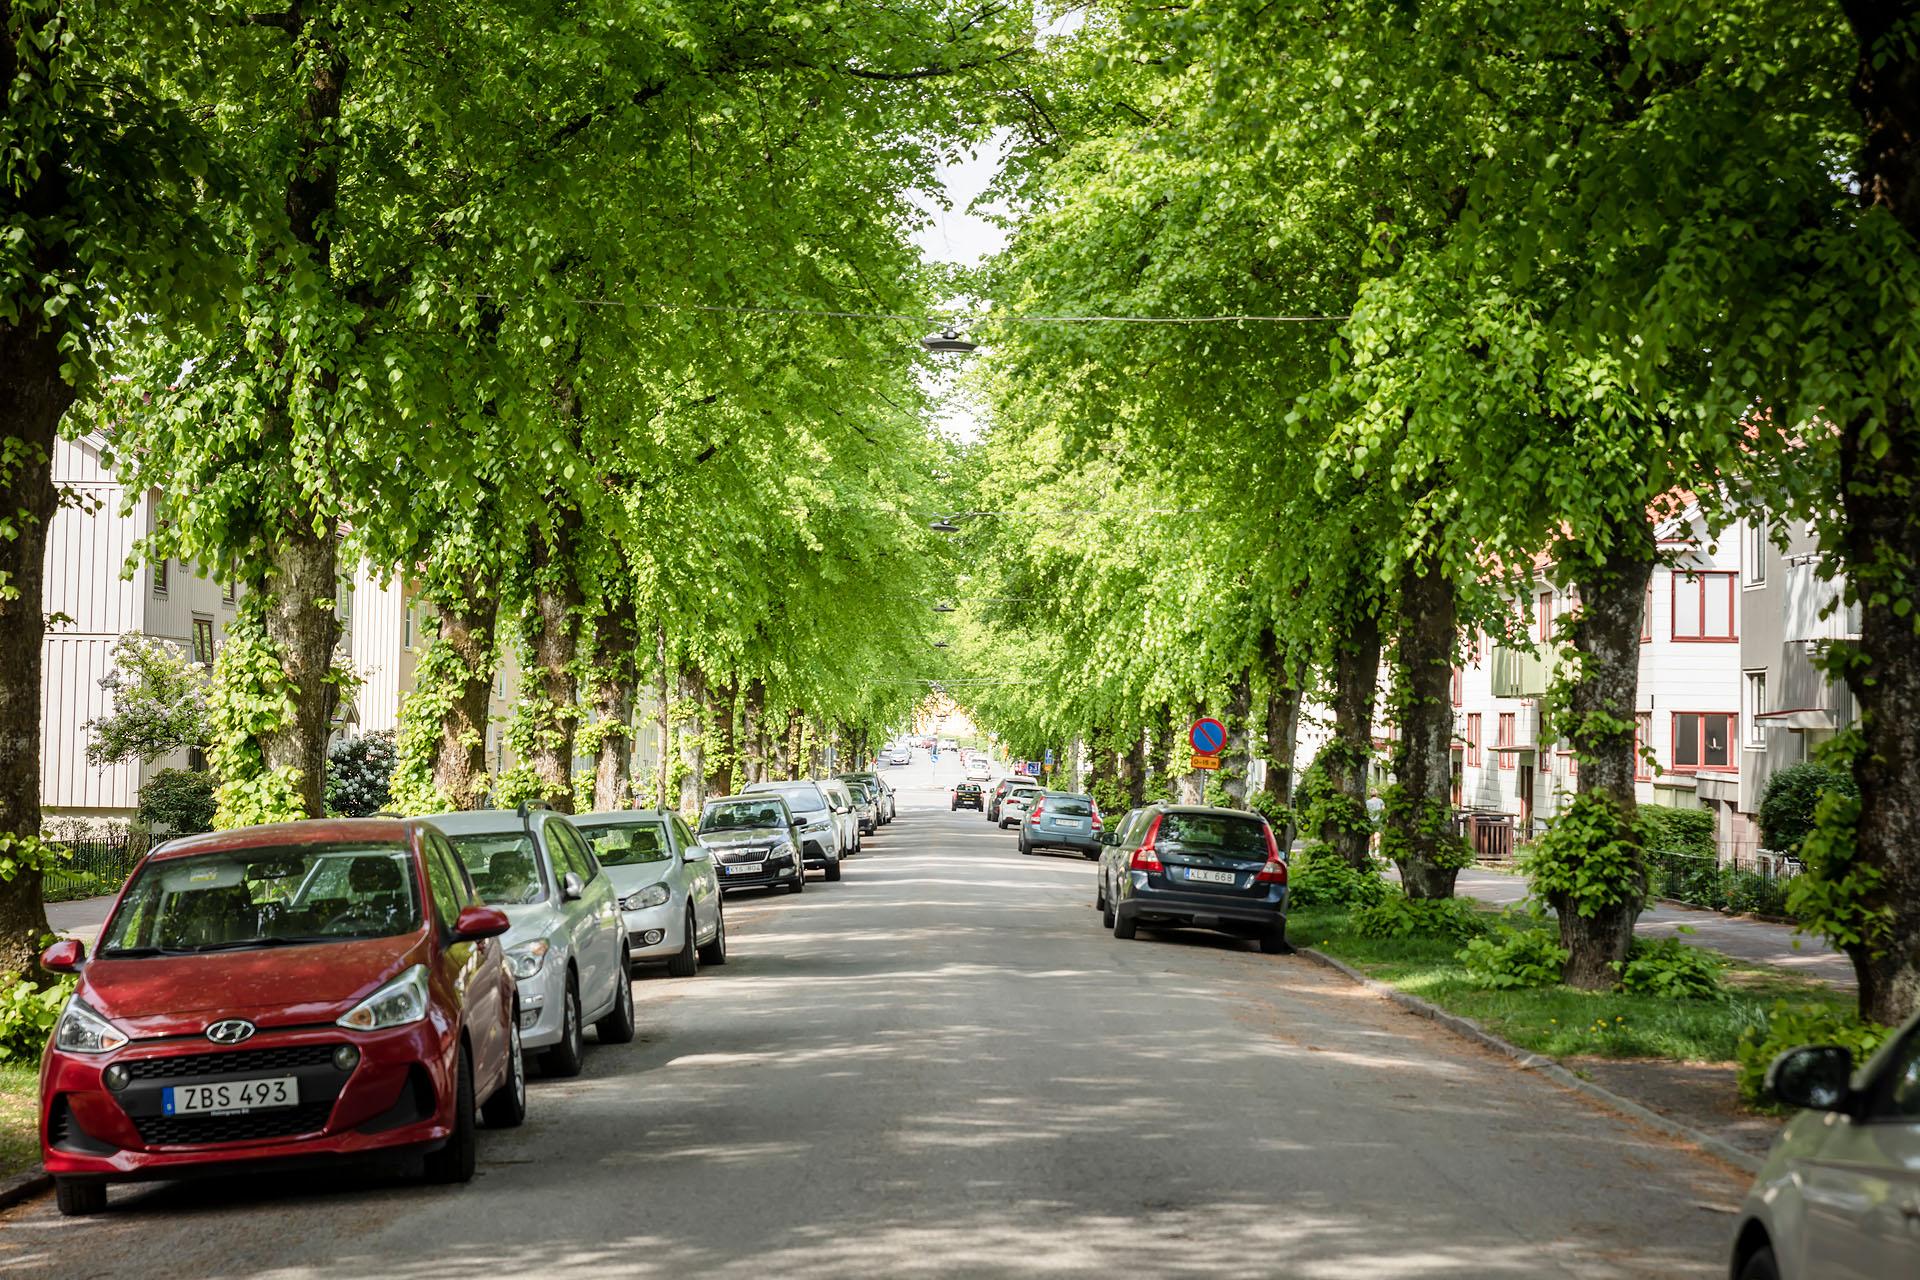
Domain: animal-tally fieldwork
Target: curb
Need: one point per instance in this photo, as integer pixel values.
(24, 1186)
(1715, 1147)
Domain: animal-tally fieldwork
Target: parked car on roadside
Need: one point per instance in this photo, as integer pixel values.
(998, 793)
(756, 842)
(846, 814)
(1839, 1194)
(1062, 820)
(901, 755)
(820, 826)
(1196, 867)
(978, 771)
(967, 795)
(884, 798)
(665, 881)
(302, 992)
(568, 944)
(866, 804)
(1014, 805)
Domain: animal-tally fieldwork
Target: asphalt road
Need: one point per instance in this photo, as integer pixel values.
(943, 1066)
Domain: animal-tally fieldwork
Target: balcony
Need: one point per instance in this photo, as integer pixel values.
(1520, 674)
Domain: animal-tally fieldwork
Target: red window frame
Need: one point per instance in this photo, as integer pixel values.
(1646, 611)
(1543, 616)
(1505, 727)
(1700, 742)
(1701, 580)
(1459, 685)
(1642, 734)
(1473, 739)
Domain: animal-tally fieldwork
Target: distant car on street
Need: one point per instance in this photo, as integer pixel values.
(846, 812)
(1062, 820)
(668, 889)
(756, 841)
(1839, 1194)
(820, 827)
(1014, 804)
(997, 793)
(866, 803)
(967, 795)
(978, 771)
(900, 755)
(883, 789)
(1194, 867)
(568, 945)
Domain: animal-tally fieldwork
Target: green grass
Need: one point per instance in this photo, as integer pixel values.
(19, 1118)
(1559, 1021)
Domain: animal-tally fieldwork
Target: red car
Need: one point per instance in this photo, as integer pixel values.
(281, 994)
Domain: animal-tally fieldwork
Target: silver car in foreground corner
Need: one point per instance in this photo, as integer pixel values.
(567, 947)
(1839, 1195)
(665, 880)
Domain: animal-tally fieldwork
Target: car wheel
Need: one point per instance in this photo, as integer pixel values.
(617, 1026)
(715, 952)
(833, 869)
(454, 1162)
(78, 1199)
(1124, 927)
(1274, 942)
(507, 1108)
(1024, 846)
(956, 806)
(1106, 908)
(1761, 1266)
(686, 961)
(567, 1057)
(800, 882)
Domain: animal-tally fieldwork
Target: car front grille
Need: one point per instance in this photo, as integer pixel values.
(284, 1122)
(230, 1062)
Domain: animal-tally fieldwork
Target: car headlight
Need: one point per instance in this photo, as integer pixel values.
(654, 895)
(81, 1030)
(525, 960)
(821, 825)
(780, 849)
(401, 1001)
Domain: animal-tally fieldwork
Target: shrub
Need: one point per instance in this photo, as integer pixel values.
(1669, 967)
(1397, 916)
(179, 800)
(1788, 1028)
(1685, 831)
(1513, 958)
(1791, 798)
(359, 773)
(27, 1014)
(1318, 877)
(1750, 893)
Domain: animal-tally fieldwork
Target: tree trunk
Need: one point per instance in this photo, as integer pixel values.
(33, 398)
(1282, 731)
(1356, 679)
(753, 733)
(556, 641)
(303, 582)
(460, 772)
(689, 720)
(1420, 837)
(1161, 754)
(613, 693)
(1881, 500)
(663, 719)
(1237, 760)
(721, 747)
(786, 749)
(1134, 768)
(1606, 640)
(1192, 782)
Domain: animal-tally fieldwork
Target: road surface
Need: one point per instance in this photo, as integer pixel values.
(943, 1066)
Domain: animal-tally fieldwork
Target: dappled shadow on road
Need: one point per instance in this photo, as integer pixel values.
(949, 1068)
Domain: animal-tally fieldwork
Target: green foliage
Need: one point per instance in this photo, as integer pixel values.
(1785, 1028)
(159, 703)
(179, 801)
(1792, 798)
(27, 1014)
(1397, 916)
(1684, 831)
(1323, 805)
(1403, 812)
(252, 697)
(1670, 967)
(359, 771)
(1319, 877)
(1588, 860)
(1840, 894)
(1513, 958)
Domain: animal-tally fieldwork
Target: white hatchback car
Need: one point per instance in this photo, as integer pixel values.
(668, 888)
(1013, 807)
(1839, 1195)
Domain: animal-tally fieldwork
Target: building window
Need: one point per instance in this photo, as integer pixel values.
(1505, 729)
(227, 593)
(203, 641)
(406, 627)
(1646, 611)
(1755, 707)
(1457, 784)
(1702, 740)
(1473, 740)
(1543, 617)
(1459, 685)
(1753, 554)
(161, 576)
(500, 684)
(1475, 647)
(1703, 606)
(1642, 742)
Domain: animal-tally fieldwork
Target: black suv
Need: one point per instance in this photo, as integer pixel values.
(1189, 866)
(967, 795)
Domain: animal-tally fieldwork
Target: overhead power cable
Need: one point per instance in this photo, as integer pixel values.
(959, 318)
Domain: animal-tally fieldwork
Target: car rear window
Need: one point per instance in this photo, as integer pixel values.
(1068, 807)
(1215, 833)
(628, 844)
(504, 867)
(805, 798)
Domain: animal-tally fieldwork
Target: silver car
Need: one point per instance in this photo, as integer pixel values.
(846, 816)
(665, 880)
(1839, 1195)
(820, 827)
(568, 946)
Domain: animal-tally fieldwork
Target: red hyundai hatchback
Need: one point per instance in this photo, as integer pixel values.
(278, 994)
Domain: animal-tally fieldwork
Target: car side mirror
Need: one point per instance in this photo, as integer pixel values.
(477, 922)
(698, 853)
(845, 808)
(571, 890)
(64, 956)
(1813, 1076)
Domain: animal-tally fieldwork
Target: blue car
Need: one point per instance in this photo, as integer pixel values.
(1193, 867)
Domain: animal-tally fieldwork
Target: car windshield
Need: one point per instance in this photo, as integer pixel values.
(743, 815)
(504, 867)
(800, 799)
(1215, 833)
(243, 898)
(628, 844)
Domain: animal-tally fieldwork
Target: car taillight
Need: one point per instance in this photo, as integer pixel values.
(1275, 872)
(1096, 819)
(1144, 858)
(1034, 817)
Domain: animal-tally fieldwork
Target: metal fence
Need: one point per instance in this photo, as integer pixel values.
(1758, 886)
(93, 867)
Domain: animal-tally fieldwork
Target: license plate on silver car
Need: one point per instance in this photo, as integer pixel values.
(1210, 877)
(746, 868)
(231, 1095)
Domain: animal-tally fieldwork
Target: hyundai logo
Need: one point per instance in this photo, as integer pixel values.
(232, 1031)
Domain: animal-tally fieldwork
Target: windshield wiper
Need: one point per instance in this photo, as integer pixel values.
(143, 951)
(273, 941)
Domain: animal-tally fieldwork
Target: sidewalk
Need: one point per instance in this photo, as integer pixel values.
(79, 919)
(1754, 941)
